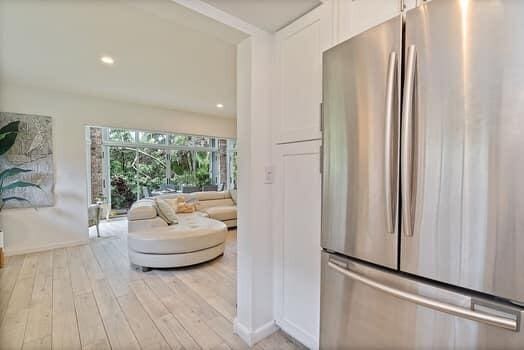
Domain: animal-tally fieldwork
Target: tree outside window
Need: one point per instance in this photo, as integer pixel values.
(141, 162)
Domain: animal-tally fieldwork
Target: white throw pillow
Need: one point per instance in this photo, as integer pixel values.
(165, 211)
(173, 202)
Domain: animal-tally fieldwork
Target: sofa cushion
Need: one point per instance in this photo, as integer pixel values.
(222, 213)
(193, 233)
(211, 195)
(142, 210)
(165, 211)
(215, 203)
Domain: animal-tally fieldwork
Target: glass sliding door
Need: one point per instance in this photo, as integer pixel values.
(152, 164)
(232, 163)
(122, 174)
(182, 169)
(233, 170)
(203, 168)
(142, 162)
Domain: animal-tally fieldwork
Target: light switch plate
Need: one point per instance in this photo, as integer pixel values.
(268, 175)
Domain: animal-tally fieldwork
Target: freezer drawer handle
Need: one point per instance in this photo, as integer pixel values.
(502, 322)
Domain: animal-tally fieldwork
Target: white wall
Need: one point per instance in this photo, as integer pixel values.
(255, 319)
(64, 224)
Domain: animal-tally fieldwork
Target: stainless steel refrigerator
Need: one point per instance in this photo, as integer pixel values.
(423, 181)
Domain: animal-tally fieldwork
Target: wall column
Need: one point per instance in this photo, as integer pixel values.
(255, 319)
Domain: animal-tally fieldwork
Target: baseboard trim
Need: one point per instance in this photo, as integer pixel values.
(20, 251)
(253, 337)
(299, 334)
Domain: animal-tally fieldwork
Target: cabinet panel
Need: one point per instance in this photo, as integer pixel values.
(297, 239)
(356, 16)
(299, 77)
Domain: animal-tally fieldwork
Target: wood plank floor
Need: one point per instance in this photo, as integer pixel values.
(88, 297)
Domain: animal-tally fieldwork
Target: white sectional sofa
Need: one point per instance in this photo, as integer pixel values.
(197, 237)
(218, 205)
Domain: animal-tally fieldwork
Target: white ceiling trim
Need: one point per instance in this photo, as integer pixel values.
(221, 16)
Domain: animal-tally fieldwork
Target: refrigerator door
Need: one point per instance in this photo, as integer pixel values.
(463, 145)
(360, 140)
(365, 307)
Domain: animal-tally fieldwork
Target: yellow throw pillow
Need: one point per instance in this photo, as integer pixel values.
(185, 208)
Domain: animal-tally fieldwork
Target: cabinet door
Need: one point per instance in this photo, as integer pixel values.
(299, 78)
(297, 239)
(356, 16)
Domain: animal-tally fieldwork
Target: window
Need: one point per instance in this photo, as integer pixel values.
(124, 189)
(232, 163)
(180, 140)
(203, 168)
(201, 141)
(121, 135)
(143, 162)
(151, 168)
(152, 138)
(182, 168)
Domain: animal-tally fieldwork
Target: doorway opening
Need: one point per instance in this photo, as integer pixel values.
(126, 165)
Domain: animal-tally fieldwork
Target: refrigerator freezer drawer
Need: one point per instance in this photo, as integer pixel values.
(365, 307)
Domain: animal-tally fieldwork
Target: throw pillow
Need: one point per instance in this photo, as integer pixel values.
(184, 207)
(173, 202)
(165, 211)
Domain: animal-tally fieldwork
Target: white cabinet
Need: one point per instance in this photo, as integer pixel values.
(296, 228)
(298, 66)
(352, 17)
(298, 88)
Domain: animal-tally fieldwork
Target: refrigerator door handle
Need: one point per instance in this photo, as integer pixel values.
(471, 314)
(407, 143)
(390, 114)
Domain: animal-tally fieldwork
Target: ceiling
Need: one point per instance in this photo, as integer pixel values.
(270, 15)
(165, 54)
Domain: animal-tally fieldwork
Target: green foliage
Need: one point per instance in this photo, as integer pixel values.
(8, 136)
(133, 168)
(182, 168)
(122, 197)
(151, 168)
(122, 135)
(12, 172)
(202, 168)
(123, 177)
(19, 184)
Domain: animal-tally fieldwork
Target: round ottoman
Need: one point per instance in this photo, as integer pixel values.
(193, 240)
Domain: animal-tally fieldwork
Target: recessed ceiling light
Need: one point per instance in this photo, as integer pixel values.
(220, 105)
(107, 60)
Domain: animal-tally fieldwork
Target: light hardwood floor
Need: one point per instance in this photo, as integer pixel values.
(88, 297)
